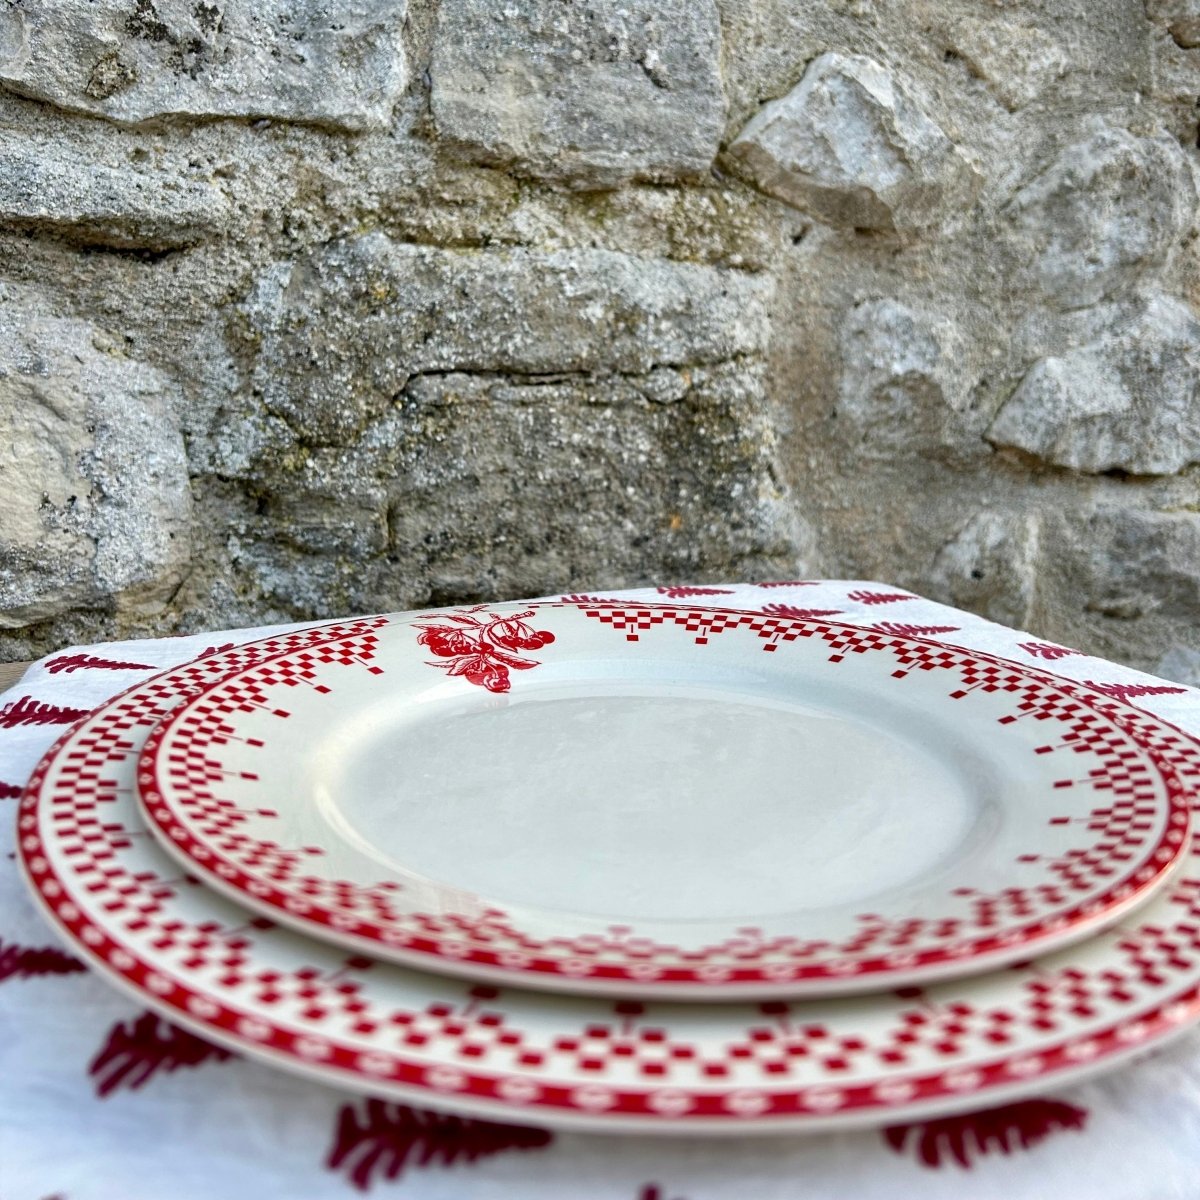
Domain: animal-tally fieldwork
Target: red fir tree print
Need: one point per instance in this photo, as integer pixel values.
(682, 592)
(963, 1138)
(862, 596)
(133, 1054)
(379, 1140)
(27, 711)
(787, 583)
(69, 664)
(9, 791)
(209, 650)
(1047, 650)
(1124, 691)
(577, 599)
(28, 962)
(799, 614)
(902, 630)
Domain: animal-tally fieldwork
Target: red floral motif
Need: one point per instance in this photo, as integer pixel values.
(862, 596)
(1046, 650)
(26, 962)
(382, 1140)
(799, 614)
(1004, 1129)
(682, 592)
(480, 648)
(902, 630)
(1123, 691)
(133, 1054)
(9, 791)
(70, 663)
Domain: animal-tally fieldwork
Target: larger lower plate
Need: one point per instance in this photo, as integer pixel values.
(572, 1061)
(655, 800)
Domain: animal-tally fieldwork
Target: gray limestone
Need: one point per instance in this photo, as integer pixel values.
(341, 332)
(991, 567)
(1015, 59)
(904, 377)
(46, 186)
(592, 94)
(1128, 401)
(97, 505)
(1103, 213)
(136, 60)
(1180, 17)
(853, 145)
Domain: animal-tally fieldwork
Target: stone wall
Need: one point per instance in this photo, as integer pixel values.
(309, 308)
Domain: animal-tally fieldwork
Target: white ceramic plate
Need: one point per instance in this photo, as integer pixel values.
(700, 803)
(573, 1061)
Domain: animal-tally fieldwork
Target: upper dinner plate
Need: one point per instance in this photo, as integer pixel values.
(662, 800)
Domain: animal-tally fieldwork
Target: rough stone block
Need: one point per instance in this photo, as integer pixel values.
(339, 333)
(1180, 17)
(133, 60)
(853, 145)
(93, 477)
(1129, 564)
(1127, 401)
(510, 421)
(593, 94)
(46, 185)
(990, 567)
(504, 486)
(1017, 61)
(903, 377)
(1102, 215)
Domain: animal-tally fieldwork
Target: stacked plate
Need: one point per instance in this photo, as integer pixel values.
(633, 867)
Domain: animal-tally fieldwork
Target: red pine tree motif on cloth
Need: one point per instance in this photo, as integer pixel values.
(27, 962)
(1123, 691)
(1047, 650)
(382, 1139)
(481, 650)
(216, 649)
(1005, 1129)
(27, 711)
(69, 664)
(788, 583)
(135, 1053)
(799, 614)
(862, 596)
(682, 592)
(577, 599)
(900, 629)
(9, 791)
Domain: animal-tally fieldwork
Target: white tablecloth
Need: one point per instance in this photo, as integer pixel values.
(99, 1100)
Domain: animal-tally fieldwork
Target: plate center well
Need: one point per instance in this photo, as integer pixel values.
(641, 802)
